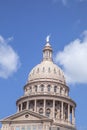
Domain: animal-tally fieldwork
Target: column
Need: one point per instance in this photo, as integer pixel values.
(27, 105)
(35, 105)
(62, 110)
(73, 115)
(21, 106)
(53, 108)
(38, 88)
(17, 108)
(68, 112)
(44, 107)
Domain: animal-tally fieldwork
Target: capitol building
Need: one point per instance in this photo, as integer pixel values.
(46, 104)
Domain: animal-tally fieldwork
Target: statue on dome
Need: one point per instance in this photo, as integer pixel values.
(48, 38)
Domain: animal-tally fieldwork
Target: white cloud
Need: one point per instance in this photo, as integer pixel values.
(64, 2)
(9, 60)
(73, 59)
(82, 0)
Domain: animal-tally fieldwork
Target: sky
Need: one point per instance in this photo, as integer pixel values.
(24, 26)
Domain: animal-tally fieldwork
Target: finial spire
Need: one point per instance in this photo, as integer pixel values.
(47, 51)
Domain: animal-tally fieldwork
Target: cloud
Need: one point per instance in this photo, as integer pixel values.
(73, 59)
(82, 0)
(9, 59)
(67, 2)
(64, 2)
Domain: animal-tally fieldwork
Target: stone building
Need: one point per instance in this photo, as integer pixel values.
(46, 104)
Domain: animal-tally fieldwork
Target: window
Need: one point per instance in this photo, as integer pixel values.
(24, 105)
(28, 127)
(46, 54)
(40, 127)
(48, 112)
(49, 69)
(42, 87)
(55, 88)
(61, 90)
(30, 89)
(38, 70)
(41, 103)
(12, 128)
(19, 107)
(17, 128)
(66, 92)
(23, 128)
(54, 70)
(34, 127)
(55, 113)
(48, 88)
(31, 105)
(26, 115)
(43, 69)
(35, 88)
(41, 110)
(48, 103)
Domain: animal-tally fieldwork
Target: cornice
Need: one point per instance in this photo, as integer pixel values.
(46, 96)
(46, 81)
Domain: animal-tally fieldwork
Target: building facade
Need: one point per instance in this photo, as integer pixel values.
(46, 104)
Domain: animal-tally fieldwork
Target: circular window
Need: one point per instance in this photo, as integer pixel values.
(48, 110)
(26, 115)
(41, 110)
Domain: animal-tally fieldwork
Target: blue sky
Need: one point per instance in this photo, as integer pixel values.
(24, 25)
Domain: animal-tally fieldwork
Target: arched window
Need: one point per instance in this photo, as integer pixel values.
(55, 113)
(49, 69)
(42, 87)
(55, 89)
(35, 88)
(61, 89)
(49, 103)
(31, 105)
(66, 92)
(48, 88)
(30, 89)
(43, 69)
(19, 107)
(54, 70)
(24, 105)
(41, 102)
(37, 70)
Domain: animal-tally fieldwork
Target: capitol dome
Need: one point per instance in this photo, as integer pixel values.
(46, 104)
(47, 70)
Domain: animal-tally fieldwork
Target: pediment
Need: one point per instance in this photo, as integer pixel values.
(25, 116)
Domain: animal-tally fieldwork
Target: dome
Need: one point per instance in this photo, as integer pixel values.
(47, 70)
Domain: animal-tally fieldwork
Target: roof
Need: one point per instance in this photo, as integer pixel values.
(26, 116)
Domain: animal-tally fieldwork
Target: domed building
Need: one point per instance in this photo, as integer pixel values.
(46, 104)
